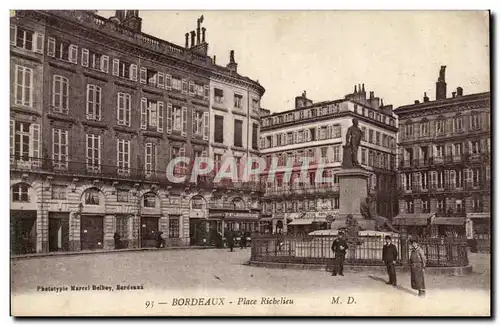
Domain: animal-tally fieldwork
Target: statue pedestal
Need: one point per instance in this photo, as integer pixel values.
(353, 185)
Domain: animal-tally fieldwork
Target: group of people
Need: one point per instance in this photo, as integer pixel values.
(417, 261)
(241, 237)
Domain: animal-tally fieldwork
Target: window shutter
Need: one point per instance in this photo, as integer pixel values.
(160, 116)
(39, 40)
(35, 143)
(184, 121)
(283, 139)
(116, 67)
(120, 108)
(206, 125)
(144, 115)
(168, 82)
(143, 75)
(87, 110)
(13, 34)
(85, 57)
(161, 80)
(184, 86)
(12, 124)
(51, 47)
(446, 177)
(295, 137)
(191, 88)
(206, 92)
(105, 63)
(133, 72)
(193, 122)
(73, 54)
(169, 118)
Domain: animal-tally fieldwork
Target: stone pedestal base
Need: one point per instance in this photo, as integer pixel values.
(353, 185)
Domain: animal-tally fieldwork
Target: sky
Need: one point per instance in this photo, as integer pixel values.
(396, 54)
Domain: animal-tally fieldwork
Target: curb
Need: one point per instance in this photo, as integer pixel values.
(111, 251)
(450, 271)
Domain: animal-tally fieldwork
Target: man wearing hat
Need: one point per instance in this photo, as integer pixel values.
(390, 256)
(339, 248)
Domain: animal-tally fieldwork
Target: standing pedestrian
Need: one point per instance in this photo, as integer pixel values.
(243, 240)
(390, 256)
(417, 268)
(230, 240)
(339, 248)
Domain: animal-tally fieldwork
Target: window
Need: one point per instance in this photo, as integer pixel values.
(426, 206)
(22, 38)
(441, 205)
(424, 180)
(60, 90)
(475, 121)
(23, 86)
(25, 142)
(218, 162)
(255, 136)
(238, 100)
(122, 226)
(59, 192)
(336, 153)
(149, 76)
(122, 195)
(475, 147)
(363, 156)
(409, 130)
(92, 196)
(324, 152)
(149, 200)
(93, 102)
(219, 129)
(95, 61)
(60, 148)
(198, 90)
(457, 149)
(62, 50)
(255, 106)
(173, 227)
(20, 193)
(123, 156)
(439, 150)
(93, 152)
(370, 136)
(197, 202)
(150, 159)
(177, 119)
(459, 178)
(476, 177)
(363, 131)
(458, 124)
(424, 128)
(370, 114)
(177, 83)
(218, 95)
(238, 133)
(440, 179)
(410, 206)
(440, 126)
(477, 205)
(151, 115)
(123, 109)
(337, 131)
(124, 69)
(377, 138)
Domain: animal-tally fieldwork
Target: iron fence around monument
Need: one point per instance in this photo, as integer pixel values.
(448, 252)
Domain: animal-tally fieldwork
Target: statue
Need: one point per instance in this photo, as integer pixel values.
(353, 139)
(381, 223)
(441, 73)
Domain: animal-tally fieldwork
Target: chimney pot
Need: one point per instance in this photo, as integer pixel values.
(187, 40)
(417, 101)
(203, 31)
(453, 94)
(355, 89)
(372, 95)
(460, 91)
(215, 57)
(441, 84)
(426, 99)
(363, 88)
(193, 38)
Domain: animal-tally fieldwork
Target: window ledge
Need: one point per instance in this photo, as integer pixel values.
(96, 75)
(25, 109)
(125, 83)
(219, 108)
(26, 54)
(125, 129)
(63, 65)
(239, 112)
(200, 102)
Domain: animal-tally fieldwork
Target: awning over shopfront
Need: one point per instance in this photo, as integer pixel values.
(301, 221)
(448, 220)
(479, 215)
(412, 219)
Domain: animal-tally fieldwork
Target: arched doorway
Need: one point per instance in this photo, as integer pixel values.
(150, 220)
(92, 219)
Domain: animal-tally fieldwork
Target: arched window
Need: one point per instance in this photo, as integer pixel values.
(149, 200)
(92, 196)
(20, 193)
(238, 203)
(197, 202)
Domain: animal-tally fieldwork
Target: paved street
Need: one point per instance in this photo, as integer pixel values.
(202, 270)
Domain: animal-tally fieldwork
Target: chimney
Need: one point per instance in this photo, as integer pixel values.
(198, 27)
(441, 85)
(363, 89)
(302, 101)
(453, 94)
(215, 61)
(460, 91)
(417, 101)
(232, 65)
(355, 89)
(381, 102)
(187, 40)
(372, 95)
(426, 99)
(203, 31)
(193, 36)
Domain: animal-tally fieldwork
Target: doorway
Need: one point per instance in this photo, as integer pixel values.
(58, 231)
(91, 232)
(149, 231)
(23, 232)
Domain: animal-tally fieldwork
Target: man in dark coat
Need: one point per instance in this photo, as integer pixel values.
(230, 240)
(390, 256)
(339, 248)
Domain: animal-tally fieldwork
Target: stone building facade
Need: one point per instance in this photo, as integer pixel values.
(317, 131)
(98, 110)
(444, 165)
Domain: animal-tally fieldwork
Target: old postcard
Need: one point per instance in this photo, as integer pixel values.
(250, 163)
